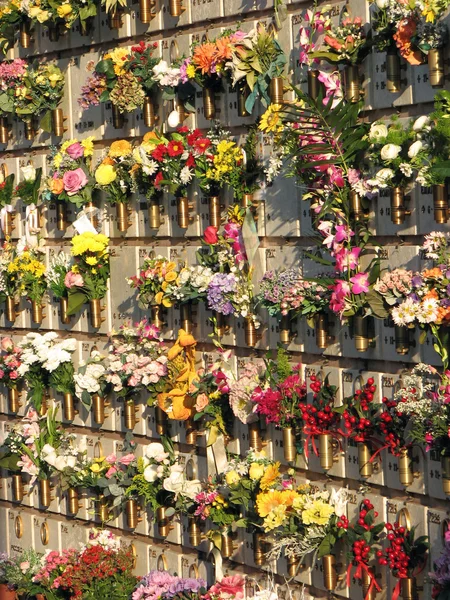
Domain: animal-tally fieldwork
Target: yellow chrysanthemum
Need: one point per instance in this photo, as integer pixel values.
(88, 146)
(256, 471)
(318, 513)
(120, 148)
(105, 174)
(190, 71)
(91, 260)
(119, 55)
(57, 160)
(271, 119)
(270, 476)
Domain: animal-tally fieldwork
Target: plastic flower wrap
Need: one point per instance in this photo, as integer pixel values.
(46, 361)
(70, 177)
(244, 388)
(88, 278)
(57, 271)
(114, 172)
(160, 585)
(176, 398)
(40, 92)
(123, 77)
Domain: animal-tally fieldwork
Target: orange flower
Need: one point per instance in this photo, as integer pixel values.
(108, 161)
(204, 56)
(406, 29)
(56, 186)
(431, 294)
(150, 135)
(223, 49)
(120, 148)
(434, 273)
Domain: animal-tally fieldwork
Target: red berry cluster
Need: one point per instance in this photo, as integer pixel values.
(392, 426)
(361, 548)
(342, 523)
(360, 428)
(395, 555)
(319, 416)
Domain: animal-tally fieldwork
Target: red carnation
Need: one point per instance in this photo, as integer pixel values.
(194, 136)
(190, 161)
(175, 148)
(183, 129)
(159, 177)
(202, 144)
(159, 152)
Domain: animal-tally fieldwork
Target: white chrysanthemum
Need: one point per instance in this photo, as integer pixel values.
(185, 175)
(428, 311)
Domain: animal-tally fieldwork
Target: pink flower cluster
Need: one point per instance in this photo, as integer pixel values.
(115, 463)
(11, 72)
(204, 500)
(9, 362)
(229, 588)
(53, 563)
(233, 233)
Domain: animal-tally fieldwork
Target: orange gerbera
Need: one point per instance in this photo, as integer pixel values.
(434, 273)
(406, 29)
(268, 501)
(270, 476)
(204, 57)
(223, 49)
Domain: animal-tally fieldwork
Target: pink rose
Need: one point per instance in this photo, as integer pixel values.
(13, 375)
(110, 472)
(75, 150)
(73, 280)
(74, 181)
(7, 343)
(202, 402)
(127, 459)
(111, 459)
(24, 566)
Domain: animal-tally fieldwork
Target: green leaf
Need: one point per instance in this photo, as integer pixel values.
(376, 303)
(46, 122)
(76, 299)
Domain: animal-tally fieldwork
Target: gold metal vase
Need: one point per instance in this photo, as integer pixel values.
(214, 211)
(73, 503)
(293, 565)
(162, 521)
(25, 33)
(149, 112)
(145, 11)
(130, 409)
(440, 203)
(98, 406)
(117, 117)
(326, 451)
(157, 317)
(408, 588)
(154, 214)
(176, 8)
(393, 77)
(161, 421)
(36, 312)
(29, 129)
(69, 407)
(254, 436)
(351, 78)
(289, 444)
(61, 216)
(356, 206)
(314, 85)
(8, 226)
(183, 212)
(405, 467)
(321, 329)
(361, 333)
(186, 322)
(401, 337)
(57, 122)
(132, 513)
(366, 587)
(364, 462)
(436, 67)
(17, 488)
(398, 206)
(96, 313)
(445, 470)
(102, 508)
(122, 212)
(45, 493)
(63, 308)
(4, 130)
(195, 534)
(115, 19)
(276, 90)
(243, 92)
(250, 332)
(258, 549)
(285, 329)
(209, 103)
(13, 399)
(227, 547)
(191, 431)
(91, 212)
(329, 572)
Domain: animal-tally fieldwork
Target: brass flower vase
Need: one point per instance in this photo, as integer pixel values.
(445, 471)
(179, 107)
(69, 407)
(276, 90)
(149, 113)
(227, 547)
(254, 436)
(401, 337)
(243, 92)
(117, 117)
(195, 534)
(356, 206)
(258, 549)
(364, 462)
(91, 212)
(25, 34)
(405, 467)
(289, 444)
(8, 226)
(186, 322)
(13, 399)
(162, 521)
(145, 11)
(314, 85)
(285, 329)
(122, 212)
(154, 214)
(115, 19)
(98, 407)
(351, 79)
(29, 129)
(45, 493)
(221, 324)
(132, 513)
(17, 488)
(57, 122)
(102, 509)
(250, 332)
(326, 451)
(61, 216)
(366, 587)
(440, 203)
(293, 565)
(157, 317)
(37, 312)
(184, 218)
(63, 308)
(176, 8)
(96, 313)
(321, 329)
(436, 67)
(408, 588)
(44, 403)
(329, 572)
(4, 130)
(191, 431)
(361, 333)
(73, 503)
(215, 210)
(209, 103)
(130, 410)
(161, 420)
(393, 77)
(398, 206)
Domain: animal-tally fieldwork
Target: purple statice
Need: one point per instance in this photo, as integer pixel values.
(440, 577)
(162, 585)
(91, 92)
(5, 562)
(220, 290)
(274, 287)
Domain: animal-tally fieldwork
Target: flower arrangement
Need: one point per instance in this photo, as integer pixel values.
(29, 266)
(123, 77)
(39, 93)
(6, 197)
(440, 575)
(28, 189)
(156, 282)
(317, 21)
(21, 569)
(346, 43)
(70, 177)
(161, 585)
(113, 173)
(90, 378)
(10, 361)
(87, 279)
(243, 387)
(46, 361)
(231, 587)
(56, 274)
(12, 73)
(11, 285)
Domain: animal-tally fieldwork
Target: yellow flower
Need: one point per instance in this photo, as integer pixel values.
(167, 302)
(268, 501)
(232, 477)
(271, 119)
(91, 260)
(119, 55)
(64, 10)
(105, 174)
(318, 514)
(170, 276)
(270, 476)
(190, 71)
(159, 297)
(120, 148)
(88, 146)
(275, 518)
(54, 78)
(256, 471)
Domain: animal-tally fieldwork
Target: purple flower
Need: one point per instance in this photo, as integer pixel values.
(417, 281)
(75, 150)
(161, 585)
(220, 291)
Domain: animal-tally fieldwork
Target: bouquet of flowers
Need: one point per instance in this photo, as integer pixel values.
(345, 44)
(10, 361)
(242, 389)
(6, 197)
(12, 73)
(156, 282)
(440, 576)
(113, 173)
(46, 361)
(231, 587)
(21, 569)
(316, 22)
(88, 277)
(165, 586)
(57, 271)
(11, 284)
(123, 77)
(30, 267)
(90, 378)
(28, 189)
(39, 93)
(70, 176)
(136, 361)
